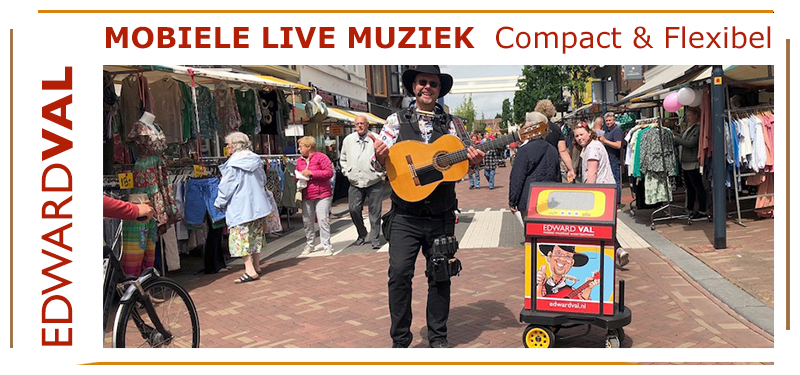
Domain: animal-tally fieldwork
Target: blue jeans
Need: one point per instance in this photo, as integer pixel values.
(615, 172)
(489, 173)
(200, 196)
(475, 179)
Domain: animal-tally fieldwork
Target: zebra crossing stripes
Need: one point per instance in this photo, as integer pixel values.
(484, 230)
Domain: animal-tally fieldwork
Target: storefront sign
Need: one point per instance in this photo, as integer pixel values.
(337, 130)
(343, 101)
(631, 72)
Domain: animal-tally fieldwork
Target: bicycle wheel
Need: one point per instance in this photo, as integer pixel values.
(134, 327)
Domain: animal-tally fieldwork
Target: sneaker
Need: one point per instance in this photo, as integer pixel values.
(439, 344)
(326, 252)
(359, 241)
(376, 245)
(622, 257)
(307, 250)
(699, 215)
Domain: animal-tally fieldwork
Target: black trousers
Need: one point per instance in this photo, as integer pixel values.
(371, 195)
(409, 234)
(695, 190)
(213, 258)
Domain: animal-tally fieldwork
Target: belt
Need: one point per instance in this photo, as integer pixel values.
(422, 212)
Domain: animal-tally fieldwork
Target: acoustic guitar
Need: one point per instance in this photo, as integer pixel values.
(569, 293)
(415, 169)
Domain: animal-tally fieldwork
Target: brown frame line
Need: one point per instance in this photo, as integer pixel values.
(355, 363)
(11, 190)
(445, 11)
(788, 178)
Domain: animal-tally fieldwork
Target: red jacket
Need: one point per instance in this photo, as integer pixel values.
(322, 171)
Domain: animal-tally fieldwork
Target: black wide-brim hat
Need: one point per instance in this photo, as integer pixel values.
(579, 258)
(410, 73)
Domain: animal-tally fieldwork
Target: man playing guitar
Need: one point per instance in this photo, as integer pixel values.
(561, 259)
(415, 225)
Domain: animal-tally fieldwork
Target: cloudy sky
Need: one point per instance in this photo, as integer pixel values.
(489, 104)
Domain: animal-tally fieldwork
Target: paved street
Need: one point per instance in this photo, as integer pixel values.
(341, 301)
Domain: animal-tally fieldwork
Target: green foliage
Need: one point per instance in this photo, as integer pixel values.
(466, 110)
(507, 115)
(545, 82)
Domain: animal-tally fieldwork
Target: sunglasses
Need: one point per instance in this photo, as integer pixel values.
(425, 82)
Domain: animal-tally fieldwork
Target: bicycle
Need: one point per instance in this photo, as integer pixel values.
(137, 322)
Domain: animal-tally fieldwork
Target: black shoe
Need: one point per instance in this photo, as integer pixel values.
(376, 245)
(398, 345)
(360, 241)
(699, 215)
(439, 344)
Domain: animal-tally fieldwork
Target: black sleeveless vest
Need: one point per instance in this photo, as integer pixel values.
(443, 198)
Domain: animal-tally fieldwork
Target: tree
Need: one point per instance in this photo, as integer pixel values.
(466, 110)
(507, 115)
(546, 82)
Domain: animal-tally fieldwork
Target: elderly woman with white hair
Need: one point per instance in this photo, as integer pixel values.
(242, 197)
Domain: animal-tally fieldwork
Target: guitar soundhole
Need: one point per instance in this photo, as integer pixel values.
(439, 163)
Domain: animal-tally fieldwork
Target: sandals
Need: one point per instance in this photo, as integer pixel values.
(245, 278)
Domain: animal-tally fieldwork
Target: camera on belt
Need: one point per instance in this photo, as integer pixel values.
(443, 264)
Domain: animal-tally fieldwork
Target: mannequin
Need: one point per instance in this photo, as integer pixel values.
(150, 184)
(147, 118)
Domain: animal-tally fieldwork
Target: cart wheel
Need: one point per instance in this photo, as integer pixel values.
(612, 342)
(689, 222)
(618, 332)
(633, 212)
(653, 226)
(538, 337)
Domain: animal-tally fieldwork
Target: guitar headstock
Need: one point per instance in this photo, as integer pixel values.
(533, 131)
(596, 275)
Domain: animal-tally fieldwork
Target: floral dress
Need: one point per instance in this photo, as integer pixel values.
(247, 238)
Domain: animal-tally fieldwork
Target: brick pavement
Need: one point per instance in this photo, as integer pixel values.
(341, 301)
(747, 262)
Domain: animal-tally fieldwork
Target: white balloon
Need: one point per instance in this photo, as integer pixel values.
(686, 96)
(698, 99)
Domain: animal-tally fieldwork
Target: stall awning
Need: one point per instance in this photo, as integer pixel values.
(667, 81)
(205, 76)
(285, 82)
(373, 120)
(656, 82)
(577, 111)
(341, 114)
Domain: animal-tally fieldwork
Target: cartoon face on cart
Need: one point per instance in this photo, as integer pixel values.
(560, 260)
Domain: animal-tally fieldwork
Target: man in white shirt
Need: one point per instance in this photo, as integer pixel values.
(365, 182)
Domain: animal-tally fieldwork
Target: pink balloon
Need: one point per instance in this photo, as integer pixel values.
(671, 103)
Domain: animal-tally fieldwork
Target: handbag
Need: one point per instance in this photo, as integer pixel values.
(301, 184)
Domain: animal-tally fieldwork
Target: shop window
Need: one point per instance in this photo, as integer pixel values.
(377, 80)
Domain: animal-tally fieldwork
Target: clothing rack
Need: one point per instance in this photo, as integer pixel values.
(737, 173)
(667, 206)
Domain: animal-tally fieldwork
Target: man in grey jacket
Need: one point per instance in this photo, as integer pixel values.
(365, 183)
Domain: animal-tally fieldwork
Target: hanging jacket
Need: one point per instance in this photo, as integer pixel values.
(241, 193)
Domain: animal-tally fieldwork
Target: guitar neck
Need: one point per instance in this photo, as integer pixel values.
(461, 155)
(579, 290)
